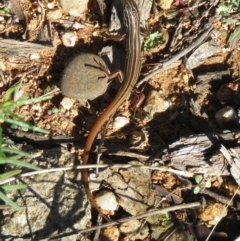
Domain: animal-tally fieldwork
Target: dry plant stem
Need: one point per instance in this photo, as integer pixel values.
(167, 238)
(4, 207)
(218, 197)
(43, 16)
(74, 168)
(177, 56)
(98, 231)
(144, 215)
(3, 77)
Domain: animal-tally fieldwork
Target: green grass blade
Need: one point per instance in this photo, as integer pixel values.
(9, 174)
(9, 201)
(235, 34)
(235, 3)
(15, 117)
(16, 162)
(10, 91)
(26, 102)
(2, 155)
(15, 151)
(16, 157)
(14, 187)
(23, 125)
(230, 20)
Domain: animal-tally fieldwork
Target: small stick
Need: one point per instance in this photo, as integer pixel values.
(144, 215)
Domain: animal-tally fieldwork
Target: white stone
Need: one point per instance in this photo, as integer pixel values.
(69, 39)
(120, 122)
(106, 200)
(66, 103)
(74, 7)
(34, 56)
(77, 25)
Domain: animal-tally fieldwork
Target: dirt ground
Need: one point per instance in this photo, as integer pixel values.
(179, 101)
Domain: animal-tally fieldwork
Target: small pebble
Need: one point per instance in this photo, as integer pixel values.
(226, 117)
(120, 122)
(50, 5)
(67, 103)
(77, 25)
(155, 103)
(106, 200)
(69, 39)
(34, 56)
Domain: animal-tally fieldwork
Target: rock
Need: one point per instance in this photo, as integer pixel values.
(160, 225)
(67, 103)
(120, 122)
(212, 214)
(53, 203)
(106, 200)
(226, 117)
(69, 39)
(110, 234)
(135, 230)
(54, 14)
(74, 7)
(155, 103)
(132, 187)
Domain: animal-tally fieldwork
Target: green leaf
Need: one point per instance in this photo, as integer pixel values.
(25, 129)
(154, 40)
(14, 126)
(55, 110)
(196, 190)
(9, 201)
(14, 187)
(9, 174)
(18, 163)
(198, 178)
(222, 8)
(63, 110)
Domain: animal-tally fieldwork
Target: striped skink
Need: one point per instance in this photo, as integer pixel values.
(131, 73)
